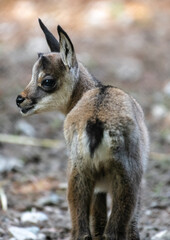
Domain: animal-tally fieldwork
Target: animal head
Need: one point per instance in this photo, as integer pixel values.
(53, 76)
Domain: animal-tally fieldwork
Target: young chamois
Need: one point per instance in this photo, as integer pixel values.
(106, 138)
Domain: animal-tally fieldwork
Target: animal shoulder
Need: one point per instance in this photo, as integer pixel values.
(106, 103)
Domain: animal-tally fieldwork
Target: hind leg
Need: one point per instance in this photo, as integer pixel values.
(99, 214)
(125, 186)
(122, 210)
(124, 196)
(133, 232)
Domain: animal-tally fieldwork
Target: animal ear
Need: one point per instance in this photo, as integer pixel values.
(67, 50)
(51, 40)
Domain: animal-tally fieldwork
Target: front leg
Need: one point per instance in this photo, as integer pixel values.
(80, 190)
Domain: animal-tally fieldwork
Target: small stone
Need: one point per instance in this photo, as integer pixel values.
(52, 199)
(34, 217)
(25, 128)
(22, 233)
(9, 163)
(33, 229)
(159, 111)
(148, 212)
(62, 185)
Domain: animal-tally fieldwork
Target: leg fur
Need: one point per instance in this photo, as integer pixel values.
(133, 232)
(124, 192)
(99, 214)
(123, 202)
(80, 190)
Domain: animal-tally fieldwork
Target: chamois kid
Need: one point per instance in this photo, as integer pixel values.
(106, 138)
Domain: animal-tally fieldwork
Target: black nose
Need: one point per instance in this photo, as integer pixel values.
(19, 100)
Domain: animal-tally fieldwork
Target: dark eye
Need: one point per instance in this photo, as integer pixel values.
(48, 83)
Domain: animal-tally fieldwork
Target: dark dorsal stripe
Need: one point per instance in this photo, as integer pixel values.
(94, 131)
(102, 94)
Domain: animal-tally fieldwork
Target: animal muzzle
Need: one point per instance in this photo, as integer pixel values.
(25, 104)
(20, 99)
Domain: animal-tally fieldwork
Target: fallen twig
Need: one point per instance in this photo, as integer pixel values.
(159, 156)
(50, 143)
(24, 140)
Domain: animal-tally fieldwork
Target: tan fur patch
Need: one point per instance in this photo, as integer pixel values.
(40, 78)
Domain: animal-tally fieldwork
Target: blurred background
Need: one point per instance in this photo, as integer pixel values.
(124, 43)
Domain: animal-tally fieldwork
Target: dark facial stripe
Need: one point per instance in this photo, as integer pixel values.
(37, 95)
(94, 131)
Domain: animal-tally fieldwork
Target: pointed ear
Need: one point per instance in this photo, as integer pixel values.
(67, 50)
(51, 40)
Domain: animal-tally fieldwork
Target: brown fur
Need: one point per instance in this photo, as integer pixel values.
(107, 141)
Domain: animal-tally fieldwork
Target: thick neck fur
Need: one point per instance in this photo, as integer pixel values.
(84, 83)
